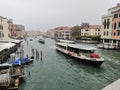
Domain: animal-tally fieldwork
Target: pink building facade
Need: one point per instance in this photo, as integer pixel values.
(110, 28)
(116, 25)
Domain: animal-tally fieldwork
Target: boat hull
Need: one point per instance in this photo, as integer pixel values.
(28, 62)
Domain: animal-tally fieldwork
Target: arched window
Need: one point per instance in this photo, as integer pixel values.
(108, 23)
(104, 33)
(1, 27)
(107, 33)
(118, 33)
(105, 24)
(114, 25)
(119, 25)
(114, 33)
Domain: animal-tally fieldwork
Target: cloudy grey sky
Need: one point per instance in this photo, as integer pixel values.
(47, 14)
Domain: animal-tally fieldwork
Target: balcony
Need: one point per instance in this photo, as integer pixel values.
(118, 29)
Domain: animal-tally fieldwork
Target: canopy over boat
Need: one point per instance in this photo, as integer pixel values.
(24, 60)
(5, 65)
(16, 62)
(6, 46)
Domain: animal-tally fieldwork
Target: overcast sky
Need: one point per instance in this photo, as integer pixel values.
(47, 14)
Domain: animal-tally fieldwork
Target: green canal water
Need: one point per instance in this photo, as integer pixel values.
(57, 71)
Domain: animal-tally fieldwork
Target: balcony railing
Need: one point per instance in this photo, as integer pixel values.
(118, 28)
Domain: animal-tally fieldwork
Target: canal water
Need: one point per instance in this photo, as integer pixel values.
(57, 71)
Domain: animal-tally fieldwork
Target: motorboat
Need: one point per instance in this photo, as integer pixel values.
(41, 40)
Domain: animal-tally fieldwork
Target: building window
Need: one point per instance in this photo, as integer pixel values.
(119, 25)
(1, 35)
(104, 23)
(86, 30)
(107, 33)
(1, 27)
(114, 25)
(98, 29)
(119, 14)
(115, 15)
(104, 33)
(118, 33)
(114, 34)
(108, 23)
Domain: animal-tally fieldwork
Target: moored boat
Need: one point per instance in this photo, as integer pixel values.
(27, 61)
(80, 53)
(41, 40)
(9, 76)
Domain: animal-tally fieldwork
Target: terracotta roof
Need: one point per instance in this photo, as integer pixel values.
(94, 26)
(63, 28)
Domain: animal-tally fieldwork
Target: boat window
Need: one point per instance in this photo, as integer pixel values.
(63, 47)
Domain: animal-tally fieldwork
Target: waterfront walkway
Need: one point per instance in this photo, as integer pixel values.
(113, 86)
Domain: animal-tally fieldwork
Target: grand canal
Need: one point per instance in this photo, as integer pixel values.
(59, 72)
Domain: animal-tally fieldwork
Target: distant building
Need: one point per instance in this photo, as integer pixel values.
(4, 31)
(19, 31)
(106, 27)
(63, 32)
(50, 33)
(92, 30)
(34, 33)
(11, 28)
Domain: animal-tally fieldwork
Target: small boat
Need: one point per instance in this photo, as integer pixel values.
(80, 53)
(9, 76)
(18, 58)
(31, 39)
(41, 40)
(27, 61)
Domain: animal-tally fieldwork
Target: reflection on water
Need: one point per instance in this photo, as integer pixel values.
(57, 71)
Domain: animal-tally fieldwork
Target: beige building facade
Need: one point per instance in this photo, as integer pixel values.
(92, 30)
(19, 31)
(4, 28)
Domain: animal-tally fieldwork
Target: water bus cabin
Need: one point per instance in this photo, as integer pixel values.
(82, 54)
